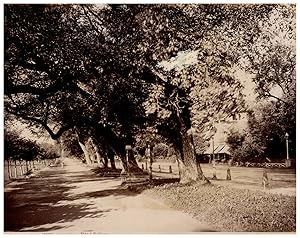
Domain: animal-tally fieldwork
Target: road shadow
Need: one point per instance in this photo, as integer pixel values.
(33, 202)
(117, 192)
(87, 178)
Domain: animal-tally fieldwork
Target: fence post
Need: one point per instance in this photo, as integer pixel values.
(214, 169)
(150, 162)
(128, 149)
(265, 180)
(27, 166)
(16, 173)
(21, 165)
(228, 177)
(9, 170)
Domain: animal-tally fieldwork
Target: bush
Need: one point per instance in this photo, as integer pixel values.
(243, 147)
(160, 151)
(16, 148)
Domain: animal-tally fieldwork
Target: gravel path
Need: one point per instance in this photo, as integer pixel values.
(73, 200)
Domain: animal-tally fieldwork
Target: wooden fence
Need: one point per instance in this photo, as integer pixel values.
(261, 165)
(14, 169)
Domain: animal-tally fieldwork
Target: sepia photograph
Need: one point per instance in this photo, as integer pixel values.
(132, 118)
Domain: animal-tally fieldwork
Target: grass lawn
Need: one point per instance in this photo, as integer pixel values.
(280, 180)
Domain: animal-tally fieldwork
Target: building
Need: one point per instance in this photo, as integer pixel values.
(217, 146)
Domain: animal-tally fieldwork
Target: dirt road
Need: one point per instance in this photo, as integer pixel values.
(73, 200)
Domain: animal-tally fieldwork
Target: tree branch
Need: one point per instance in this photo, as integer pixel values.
(35, 67)
(54, 135)
(90, 21)
(10, 88)
(268, 94)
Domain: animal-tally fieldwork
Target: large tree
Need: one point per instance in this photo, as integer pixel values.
(271, 60)
(96, 63)
(53, 76)
(176, 93)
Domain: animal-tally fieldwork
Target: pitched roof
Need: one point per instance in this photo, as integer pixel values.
(219, 149)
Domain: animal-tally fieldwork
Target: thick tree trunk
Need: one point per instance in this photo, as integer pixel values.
(83, 147)
(105, 162)
(112, 162)
(132, 160)
(111, 157)
(101, 156)
(190, 169)
(86, 153)
(123, 160)
(92, 157)
(121, 155)
(183, 171)
(90, 148)
(98, 157)
(113, 142)
(131, 165)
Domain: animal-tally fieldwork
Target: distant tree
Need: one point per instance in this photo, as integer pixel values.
(271, 59)
(244, 147)
(160, 151)
(265, 135)
(17, 148)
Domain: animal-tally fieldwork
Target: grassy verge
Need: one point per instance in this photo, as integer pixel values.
(228, 209)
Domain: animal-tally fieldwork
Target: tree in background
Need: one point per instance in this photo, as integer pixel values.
(20, 148)
(265, 135)
(272, 62)
(272, 58)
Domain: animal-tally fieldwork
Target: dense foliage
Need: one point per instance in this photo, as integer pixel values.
(19, 148)
(107, 73)
(265, 136)
(272, 62)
